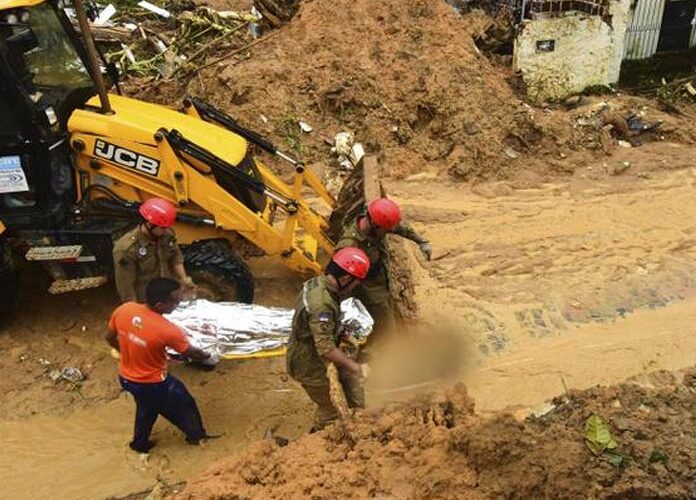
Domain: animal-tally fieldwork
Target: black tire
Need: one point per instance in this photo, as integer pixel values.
(219, 274)
(9, 282)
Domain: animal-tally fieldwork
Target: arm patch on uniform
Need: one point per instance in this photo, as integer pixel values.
(325, 319)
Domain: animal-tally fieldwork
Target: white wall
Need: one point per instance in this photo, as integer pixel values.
(588, 51)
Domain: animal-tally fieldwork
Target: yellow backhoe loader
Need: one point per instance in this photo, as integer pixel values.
(76, 162)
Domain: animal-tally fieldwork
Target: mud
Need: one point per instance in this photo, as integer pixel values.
(77, 434)
(406, 77)
(590, 250)
(436, 447)
(570, 267)
(533, 291)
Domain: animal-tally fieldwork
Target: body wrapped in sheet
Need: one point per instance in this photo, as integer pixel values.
(235, 330)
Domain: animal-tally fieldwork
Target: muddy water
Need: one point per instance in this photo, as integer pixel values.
(82, 454)
(563, 285)
(566, 285)
(645, 341)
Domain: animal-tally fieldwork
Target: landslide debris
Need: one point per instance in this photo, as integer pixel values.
(406, 77)
(403, 75)
(436, 447)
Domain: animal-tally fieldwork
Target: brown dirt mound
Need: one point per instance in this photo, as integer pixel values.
(404, 75)
(437, 447)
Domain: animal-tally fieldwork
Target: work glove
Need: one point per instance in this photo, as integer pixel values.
(426, 249)
(364, 371)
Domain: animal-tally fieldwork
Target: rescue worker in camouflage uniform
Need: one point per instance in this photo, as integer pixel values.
(316, 336)
(367, 232)
(149, 251)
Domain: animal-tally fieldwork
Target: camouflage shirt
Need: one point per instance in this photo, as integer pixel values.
(138, 259)
(373, 246)
(314, 329)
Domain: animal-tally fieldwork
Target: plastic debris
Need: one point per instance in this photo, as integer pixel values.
(105, 15)
(129, 53)
(349, 153)
(343, 141)
(155, 9)
(161, 47)
(254, 26)
(305, 127)
(67, 374)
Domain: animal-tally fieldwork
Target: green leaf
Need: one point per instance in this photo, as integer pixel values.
(598, 438)
(614, 458)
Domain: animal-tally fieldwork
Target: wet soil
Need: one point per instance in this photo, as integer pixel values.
(533, 292)
(437, 447)
(77, 434)
(407, 79)
(558, 289)
(562, 261)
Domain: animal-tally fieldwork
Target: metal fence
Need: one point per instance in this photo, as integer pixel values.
(594, 8)
(643, 32)
(516, 10)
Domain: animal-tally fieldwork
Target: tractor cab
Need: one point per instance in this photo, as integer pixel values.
(43, 78)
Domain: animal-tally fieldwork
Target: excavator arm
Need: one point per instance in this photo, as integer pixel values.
(208, 171)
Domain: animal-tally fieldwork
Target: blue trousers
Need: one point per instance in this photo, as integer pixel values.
(168, 398)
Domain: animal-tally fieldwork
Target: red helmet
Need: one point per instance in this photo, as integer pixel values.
(384, 213)
(158, 212)
(353, 261)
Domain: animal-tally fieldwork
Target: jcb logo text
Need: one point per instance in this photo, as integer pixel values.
(126, 157)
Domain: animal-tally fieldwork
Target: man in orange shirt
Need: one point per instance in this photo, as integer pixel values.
(141, 334)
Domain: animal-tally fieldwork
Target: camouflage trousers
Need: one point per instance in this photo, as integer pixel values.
(376, 297)
(319, 391)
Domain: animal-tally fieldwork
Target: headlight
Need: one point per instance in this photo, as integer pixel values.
(24, 17)
(11, 19)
